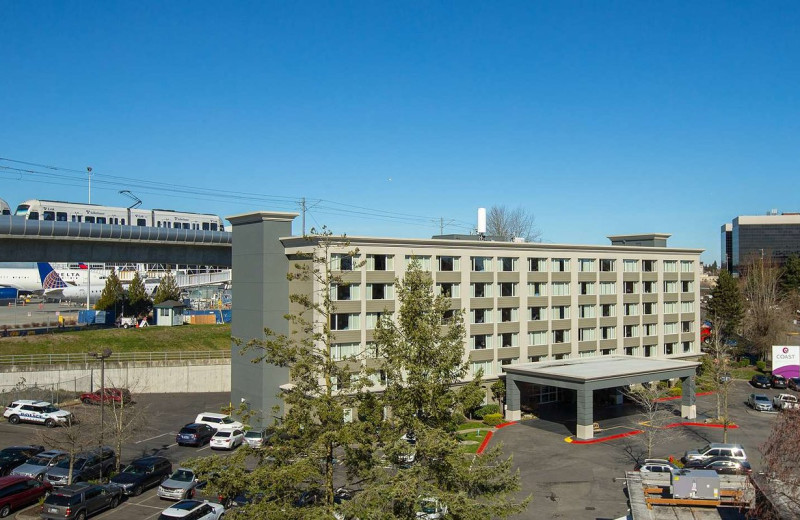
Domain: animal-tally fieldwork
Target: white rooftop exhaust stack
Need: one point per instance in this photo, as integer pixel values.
(481, 221)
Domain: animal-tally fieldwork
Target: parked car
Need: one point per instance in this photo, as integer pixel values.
(107, 395)
(194, 509)
(218, 421)
(722, 465)
(715, 449)
(655, 466)
(431, 508)
(78, 501)
(37, 466)
(777, 381)
(179, 486)
(759, 402)
(17, 492)
(40, 412)
(227, 440)
(85, 466)
(760, 381)
(142, 474)
(408, 450)
(194, 434)
(725, 377)
(14, 456)
(785, 402)
(257, 438)
(794, 384)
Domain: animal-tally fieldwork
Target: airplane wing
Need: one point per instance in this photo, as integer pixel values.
(54, 293)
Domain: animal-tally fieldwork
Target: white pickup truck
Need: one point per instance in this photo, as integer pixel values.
(785, 401)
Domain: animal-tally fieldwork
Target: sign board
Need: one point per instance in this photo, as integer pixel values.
(786, 361)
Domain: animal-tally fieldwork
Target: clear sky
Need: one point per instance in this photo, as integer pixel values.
(599, 117)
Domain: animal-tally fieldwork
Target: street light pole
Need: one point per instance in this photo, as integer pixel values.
(102, 356)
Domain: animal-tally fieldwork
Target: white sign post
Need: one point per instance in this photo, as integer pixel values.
(786, 361)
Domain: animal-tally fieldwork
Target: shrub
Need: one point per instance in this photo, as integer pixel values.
(493, 419)
(459, 418)
(761, 365)
(481, 412)
(675, 391)
(744, 363)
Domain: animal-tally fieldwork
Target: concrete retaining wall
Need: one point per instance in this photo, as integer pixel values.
(212, 375)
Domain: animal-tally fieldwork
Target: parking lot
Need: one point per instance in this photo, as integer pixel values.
(569, 481)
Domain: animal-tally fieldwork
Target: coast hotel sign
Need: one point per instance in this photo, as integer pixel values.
(786, 361)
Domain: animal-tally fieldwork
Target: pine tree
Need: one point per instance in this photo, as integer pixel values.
(113, 296)
(139, 302)
(167, 289)
(790, 281)
(726, 306)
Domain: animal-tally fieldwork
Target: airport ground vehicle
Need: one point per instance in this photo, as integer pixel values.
(81, 500)
(59, 211)
(142, 474)
(16, 492)
(41, 412)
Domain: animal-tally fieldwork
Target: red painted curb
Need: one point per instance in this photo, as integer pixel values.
(662, 399)
(485, 442)
(609, 438)
(704, 425)
(503, 425)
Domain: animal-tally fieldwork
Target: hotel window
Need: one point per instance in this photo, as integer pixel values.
(536, 359)
(651, 329)
(631, 309)
(587, 334)
(345, 292)
(507, 263)
(538, 337)
(630, 266)
(669, 349)
(508, 339)
(340, 351)
(536, 313)
(507, 361)
(559, 357)
(649, 266)
(631, 331)
(560, 289)
(608, 288)
(670, 307)
(560, 265)
(608, 332)
(629, 287)
(670, 287)
(509, 314)
(380, 263)
(688, 346)
(380, 291)
(561, 312)
(607, 265)
(345, 321)
(481, 263)
(649, 308)
(586, 288)
(608, 310)
(508, 289)
(481, 316)
(631, 351)
(687, 266)
(449, 290)
(587, 353)
(670, 266)
(687, 326)
(671, 328)
(480, 341)
(586, 265)
(481, 290)
(448, 263)
(423, 261)
(372, 320)
(608, 351)
(561, 336)
(342, 262)
(536, 265)
(687, 306)
(484, 367)
(448, 316)
(371, 351)
(586, 311)
(648, 287)
(687, 286)
(649, 350)
(537, 288)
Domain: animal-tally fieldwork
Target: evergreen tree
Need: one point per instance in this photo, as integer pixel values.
(113, 296)
(167, 289)
(790, 281)
(726, 306)
(139, 302)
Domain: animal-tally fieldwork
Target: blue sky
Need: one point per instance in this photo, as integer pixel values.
(599, 117)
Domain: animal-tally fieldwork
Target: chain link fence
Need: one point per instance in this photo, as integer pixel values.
(59, 392)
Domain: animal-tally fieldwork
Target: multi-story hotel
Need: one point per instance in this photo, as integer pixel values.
(523, 302)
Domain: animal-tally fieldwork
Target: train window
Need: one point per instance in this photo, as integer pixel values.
(33, 215)
(89, 219)
(114, 220)
(101, 220)
(141, 222)
(123, 222)
(213, 227)
(159, 224)
(49, 215)
(6, 211)
(185, 225)
(206, 227)
(61, 216)
(74, 218)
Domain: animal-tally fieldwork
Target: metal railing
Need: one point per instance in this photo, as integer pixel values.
(83, 358)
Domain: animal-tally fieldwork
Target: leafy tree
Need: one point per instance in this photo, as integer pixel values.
(113, 295)
(167, 289)
(790, 281)
(510, 223)
(139, 302)
(725, 305)
(498, 389)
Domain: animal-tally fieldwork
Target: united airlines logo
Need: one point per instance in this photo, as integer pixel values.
(53, 281)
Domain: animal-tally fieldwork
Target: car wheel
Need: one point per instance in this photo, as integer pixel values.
(114, 502)
(14, 419)
(50, 423)
(5, 511)
(125, 326)
(137, 491)
(81, 516)
(86, 400)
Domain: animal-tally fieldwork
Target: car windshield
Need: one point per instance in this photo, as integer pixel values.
(704, 448)
(65, 463)
(62, 500)
(253, 435)
(796, 380)
(183, 475)
(135, 469)
(38, 461)
(10, 454)
(189, 430)
(779, 378)
(762, 398)
(227, 420)
(49, 409)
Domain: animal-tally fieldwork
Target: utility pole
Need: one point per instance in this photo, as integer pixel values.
(89, 171)
(89, 287)
(102, 356)
(303, 211)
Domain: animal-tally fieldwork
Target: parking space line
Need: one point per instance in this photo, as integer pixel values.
(151, 438)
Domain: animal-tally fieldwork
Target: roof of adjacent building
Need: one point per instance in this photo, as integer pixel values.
(169, 304)
(767, 219)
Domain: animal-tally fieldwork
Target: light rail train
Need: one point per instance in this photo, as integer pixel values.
(59, 211)
(5, 209)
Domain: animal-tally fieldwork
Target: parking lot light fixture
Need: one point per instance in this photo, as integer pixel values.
(102, 356)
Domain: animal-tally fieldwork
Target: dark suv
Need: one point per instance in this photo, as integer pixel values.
(14, 456)
(194, 434)
(86, 466)
(80, 500)
(142, 474)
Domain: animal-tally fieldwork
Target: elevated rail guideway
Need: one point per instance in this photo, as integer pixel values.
(23, 240)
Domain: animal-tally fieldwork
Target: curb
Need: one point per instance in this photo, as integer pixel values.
(489, 436)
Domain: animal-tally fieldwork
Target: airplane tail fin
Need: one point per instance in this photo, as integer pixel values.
(49, 276)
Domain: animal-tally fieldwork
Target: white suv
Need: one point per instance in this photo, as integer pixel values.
(218, 421)
(42, 412)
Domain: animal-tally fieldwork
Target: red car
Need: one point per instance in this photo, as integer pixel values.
(16, 492)
(117, 395)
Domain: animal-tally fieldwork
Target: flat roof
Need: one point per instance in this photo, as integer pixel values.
(598, 368)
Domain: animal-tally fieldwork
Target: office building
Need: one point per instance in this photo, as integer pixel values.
(775, 236)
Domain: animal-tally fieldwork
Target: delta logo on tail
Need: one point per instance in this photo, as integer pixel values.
(49, 276)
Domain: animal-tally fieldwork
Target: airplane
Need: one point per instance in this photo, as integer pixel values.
(77, 293)
(29, 280)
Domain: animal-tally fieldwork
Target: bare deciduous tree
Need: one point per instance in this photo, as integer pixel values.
(649, 398)
(716, 372)
(781, 466)
(78, 435)
(766, 319)
(123, 420)
(510, 223)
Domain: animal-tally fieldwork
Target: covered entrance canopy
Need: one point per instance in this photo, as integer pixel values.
(589, 374)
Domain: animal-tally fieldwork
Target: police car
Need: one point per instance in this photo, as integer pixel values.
(41, 412)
